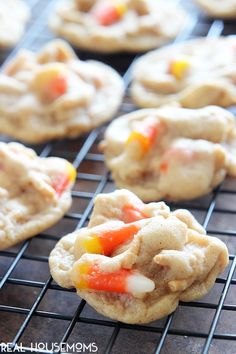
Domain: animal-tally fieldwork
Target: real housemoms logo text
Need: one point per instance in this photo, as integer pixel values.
(52, 347)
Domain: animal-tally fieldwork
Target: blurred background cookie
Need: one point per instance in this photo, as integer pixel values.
(171, 153)
(34, 192)
(118, 25)
(195, 73)
(219, 9)
(14, 15)
(53, 94)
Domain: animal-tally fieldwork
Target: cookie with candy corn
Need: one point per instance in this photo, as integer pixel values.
(117, 25)
(195, 73)
(218, 9)
(35, 192)
(14, 16)
(134, 262)
(52, 94)
(171, 153)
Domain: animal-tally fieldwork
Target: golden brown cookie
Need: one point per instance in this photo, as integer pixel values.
(35, 192)
(171, 153)
(135, 262)
(117, 25)
(52, 94)
(195, 73)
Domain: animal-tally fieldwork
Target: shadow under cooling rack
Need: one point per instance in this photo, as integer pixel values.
(36, 310)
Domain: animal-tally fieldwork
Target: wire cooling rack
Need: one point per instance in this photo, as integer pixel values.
(35, 312)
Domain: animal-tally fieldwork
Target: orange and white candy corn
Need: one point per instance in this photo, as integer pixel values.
(109, 12)
(50, 81)
(185, 156)
(132, 213)
(144, 136)
(87, 276)
(106, 241)
(64, 179)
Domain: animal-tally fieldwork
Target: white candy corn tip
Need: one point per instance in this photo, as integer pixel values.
(138, 283)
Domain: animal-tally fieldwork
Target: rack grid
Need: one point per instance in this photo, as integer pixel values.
(33, 309)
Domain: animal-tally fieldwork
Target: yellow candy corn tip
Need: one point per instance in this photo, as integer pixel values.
(134, 136)
(72, 173)
(91, 244)
(121, 9)
(77, 276)
(83, 268)
(142, 139)
(46, 73)
(81, 284)
(179, 67)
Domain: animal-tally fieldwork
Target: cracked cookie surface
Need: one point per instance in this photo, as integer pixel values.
(119, 25)
(35, 192)
(135, 262)
(53, 94)
(171, 153)
(195, 73)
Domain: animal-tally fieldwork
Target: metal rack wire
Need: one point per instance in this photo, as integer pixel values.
(34, 309)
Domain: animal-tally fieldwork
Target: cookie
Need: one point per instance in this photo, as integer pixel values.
(119, 25)
(219, 9)
(35, 192)
(135, 262)
(195, 73)
(171, 153)
(14, 15)
(53, 94)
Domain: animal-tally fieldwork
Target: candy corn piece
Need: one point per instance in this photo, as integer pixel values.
(164, 167)
(107, 241)
(179, 67)
(108, 13)
(183, 155)
(90, 277)
(50, 81)
(57, 87)
(131, 213)
(63, 180)
(145, 137)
